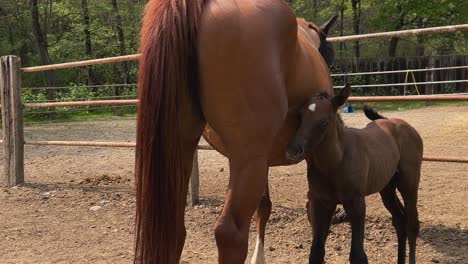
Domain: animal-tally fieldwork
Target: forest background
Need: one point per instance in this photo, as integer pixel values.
(52, 31)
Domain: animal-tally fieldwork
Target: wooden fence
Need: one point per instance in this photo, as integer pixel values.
(399, 72)
(12, 108)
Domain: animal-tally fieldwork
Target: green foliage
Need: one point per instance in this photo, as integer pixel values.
(385, 15)
(62, 23)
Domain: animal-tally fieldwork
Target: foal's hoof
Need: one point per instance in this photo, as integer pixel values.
(340, 216)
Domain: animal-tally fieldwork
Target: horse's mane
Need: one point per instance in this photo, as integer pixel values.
(326, 50)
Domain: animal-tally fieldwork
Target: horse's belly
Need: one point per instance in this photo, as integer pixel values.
(277, 152)
(382, 169)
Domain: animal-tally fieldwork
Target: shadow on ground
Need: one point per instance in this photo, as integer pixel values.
(450, 241)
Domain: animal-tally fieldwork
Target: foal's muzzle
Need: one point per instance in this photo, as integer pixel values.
(295, 155)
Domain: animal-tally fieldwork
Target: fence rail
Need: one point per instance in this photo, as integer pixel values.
(82, 103)
(81, 63)
(94, 144)
(408, 98)
(200, 147)
(401, 33)
(401, 84)
(399, 71)
(446, 159)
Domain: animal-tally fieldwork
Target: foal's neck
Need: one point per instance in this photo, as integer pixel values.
(329, 153)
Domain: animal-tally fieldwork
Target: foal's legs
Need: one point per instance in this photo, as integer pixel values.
(394, 206)
(261, 216)
(356, 210)
(412, 224)
(408, 188)
(320, 215)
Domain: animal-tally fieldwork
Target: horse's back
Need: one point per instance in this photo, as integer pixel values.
(405, 135)
(400, 144)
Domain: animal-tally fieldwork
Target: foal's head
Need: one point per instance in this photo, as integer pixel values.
(318, 117)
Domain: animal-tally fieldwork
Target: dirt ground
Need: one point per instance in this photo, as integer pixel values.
(77, 205)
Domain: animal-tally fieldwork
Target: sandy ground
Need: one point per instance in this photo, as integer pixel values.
(49, 219)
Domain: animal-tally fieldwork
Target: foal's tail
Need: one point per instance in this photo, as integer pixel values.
(168, 70)
(372, 114)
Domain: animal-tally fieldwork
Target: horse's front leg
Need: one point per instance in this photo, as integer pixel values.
(262, 214)
(320, 216)
(356, 210)
(246, 187)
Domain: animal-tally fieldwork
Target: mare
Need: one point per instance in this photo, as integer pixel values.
(244, 68)
(346, 164)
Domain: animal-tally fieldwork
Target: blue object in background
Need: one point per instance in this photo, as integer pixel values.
(348, 109)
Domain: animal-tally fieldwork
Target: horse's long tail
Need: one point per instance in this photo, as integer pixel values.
(372, 114)
(167, 69)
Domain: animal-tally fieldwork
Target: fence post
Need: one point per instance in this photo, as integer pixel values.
(195, 182)
(12, 120)
(429, 90)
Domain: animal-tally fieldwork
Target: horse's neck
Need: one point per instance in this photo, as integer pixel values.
(308, 73)
(310, 39)
(330, 151)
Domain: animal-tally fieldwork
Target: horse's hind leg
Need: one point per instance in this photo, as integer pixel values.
(262, 214)
(394, 206)
(408, 185)
(412, 225)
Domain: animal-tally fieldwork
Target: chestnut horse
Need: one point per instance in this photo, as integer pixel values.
(346, 164)
(244, 68)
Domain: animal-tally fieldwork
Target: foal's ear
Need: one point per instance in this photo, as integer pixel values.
(342, 97)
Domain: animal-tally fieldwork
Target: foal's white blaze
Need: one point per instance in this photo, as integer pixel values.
(259, 254)
(312, 107)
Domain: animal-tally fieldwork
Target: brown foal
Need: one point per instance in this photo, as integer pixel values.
(346, 164)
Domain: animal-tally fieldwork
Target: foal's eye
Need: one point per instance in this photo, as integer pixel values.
(324, 123)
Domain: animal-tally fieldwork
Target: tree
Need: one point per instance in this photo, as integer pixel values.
(42, 46)
(87, 34)
(356, 6)
(120, 37)
(402, 14)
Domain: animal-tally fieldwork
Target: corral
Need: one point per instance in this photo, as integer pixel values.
(49, 220)
(78, 204)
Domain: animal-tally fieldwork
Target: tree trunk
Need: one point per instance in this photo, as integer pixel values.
(314, 10)
(429, 90)
(41, 41)
(356, 5)
(420, 39)
(342, 9)
(392, 47)
(91, 79)
(121, 38)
